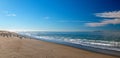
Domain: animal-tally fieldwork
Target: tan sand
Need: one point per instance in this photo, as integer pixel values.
(13, 46)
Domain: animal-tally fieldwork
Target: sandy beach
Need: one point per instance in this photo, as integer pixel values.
(13, 45)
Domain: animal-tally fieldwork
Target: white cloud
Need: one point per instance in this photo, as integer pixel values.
(11, 15)
(8, 13)
(103, 23)
(115, 15)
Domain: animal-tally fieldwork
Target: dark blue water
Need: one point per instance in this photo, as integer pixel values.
(100, 39)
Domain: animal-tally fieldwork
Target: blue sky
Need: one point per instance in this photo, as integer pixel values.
(60, 15)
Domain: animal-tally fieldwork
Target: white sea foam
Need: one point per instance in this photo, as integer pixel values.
(111, 45)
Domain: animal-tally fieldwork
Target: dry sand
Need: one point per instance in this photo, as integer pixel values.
(15, 46)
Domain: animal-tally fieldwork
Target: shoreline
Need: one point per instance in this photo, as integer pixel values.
(87, 48)
(78, 46)
(15, 46)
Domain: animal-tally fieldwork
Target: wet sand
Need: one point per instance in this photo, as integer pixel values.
(13, 45)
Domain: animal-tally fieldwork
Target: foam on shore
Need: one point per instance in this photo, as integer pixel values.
(13, 45)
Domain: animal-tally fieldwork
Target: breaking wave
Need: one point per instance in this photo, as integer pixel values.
(103, 44)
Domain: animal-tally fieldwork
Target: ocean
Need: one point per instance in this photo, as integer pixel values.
(109, 40)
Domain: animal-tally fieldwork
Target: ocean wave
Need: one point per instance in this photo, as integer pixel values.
(111, 45)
